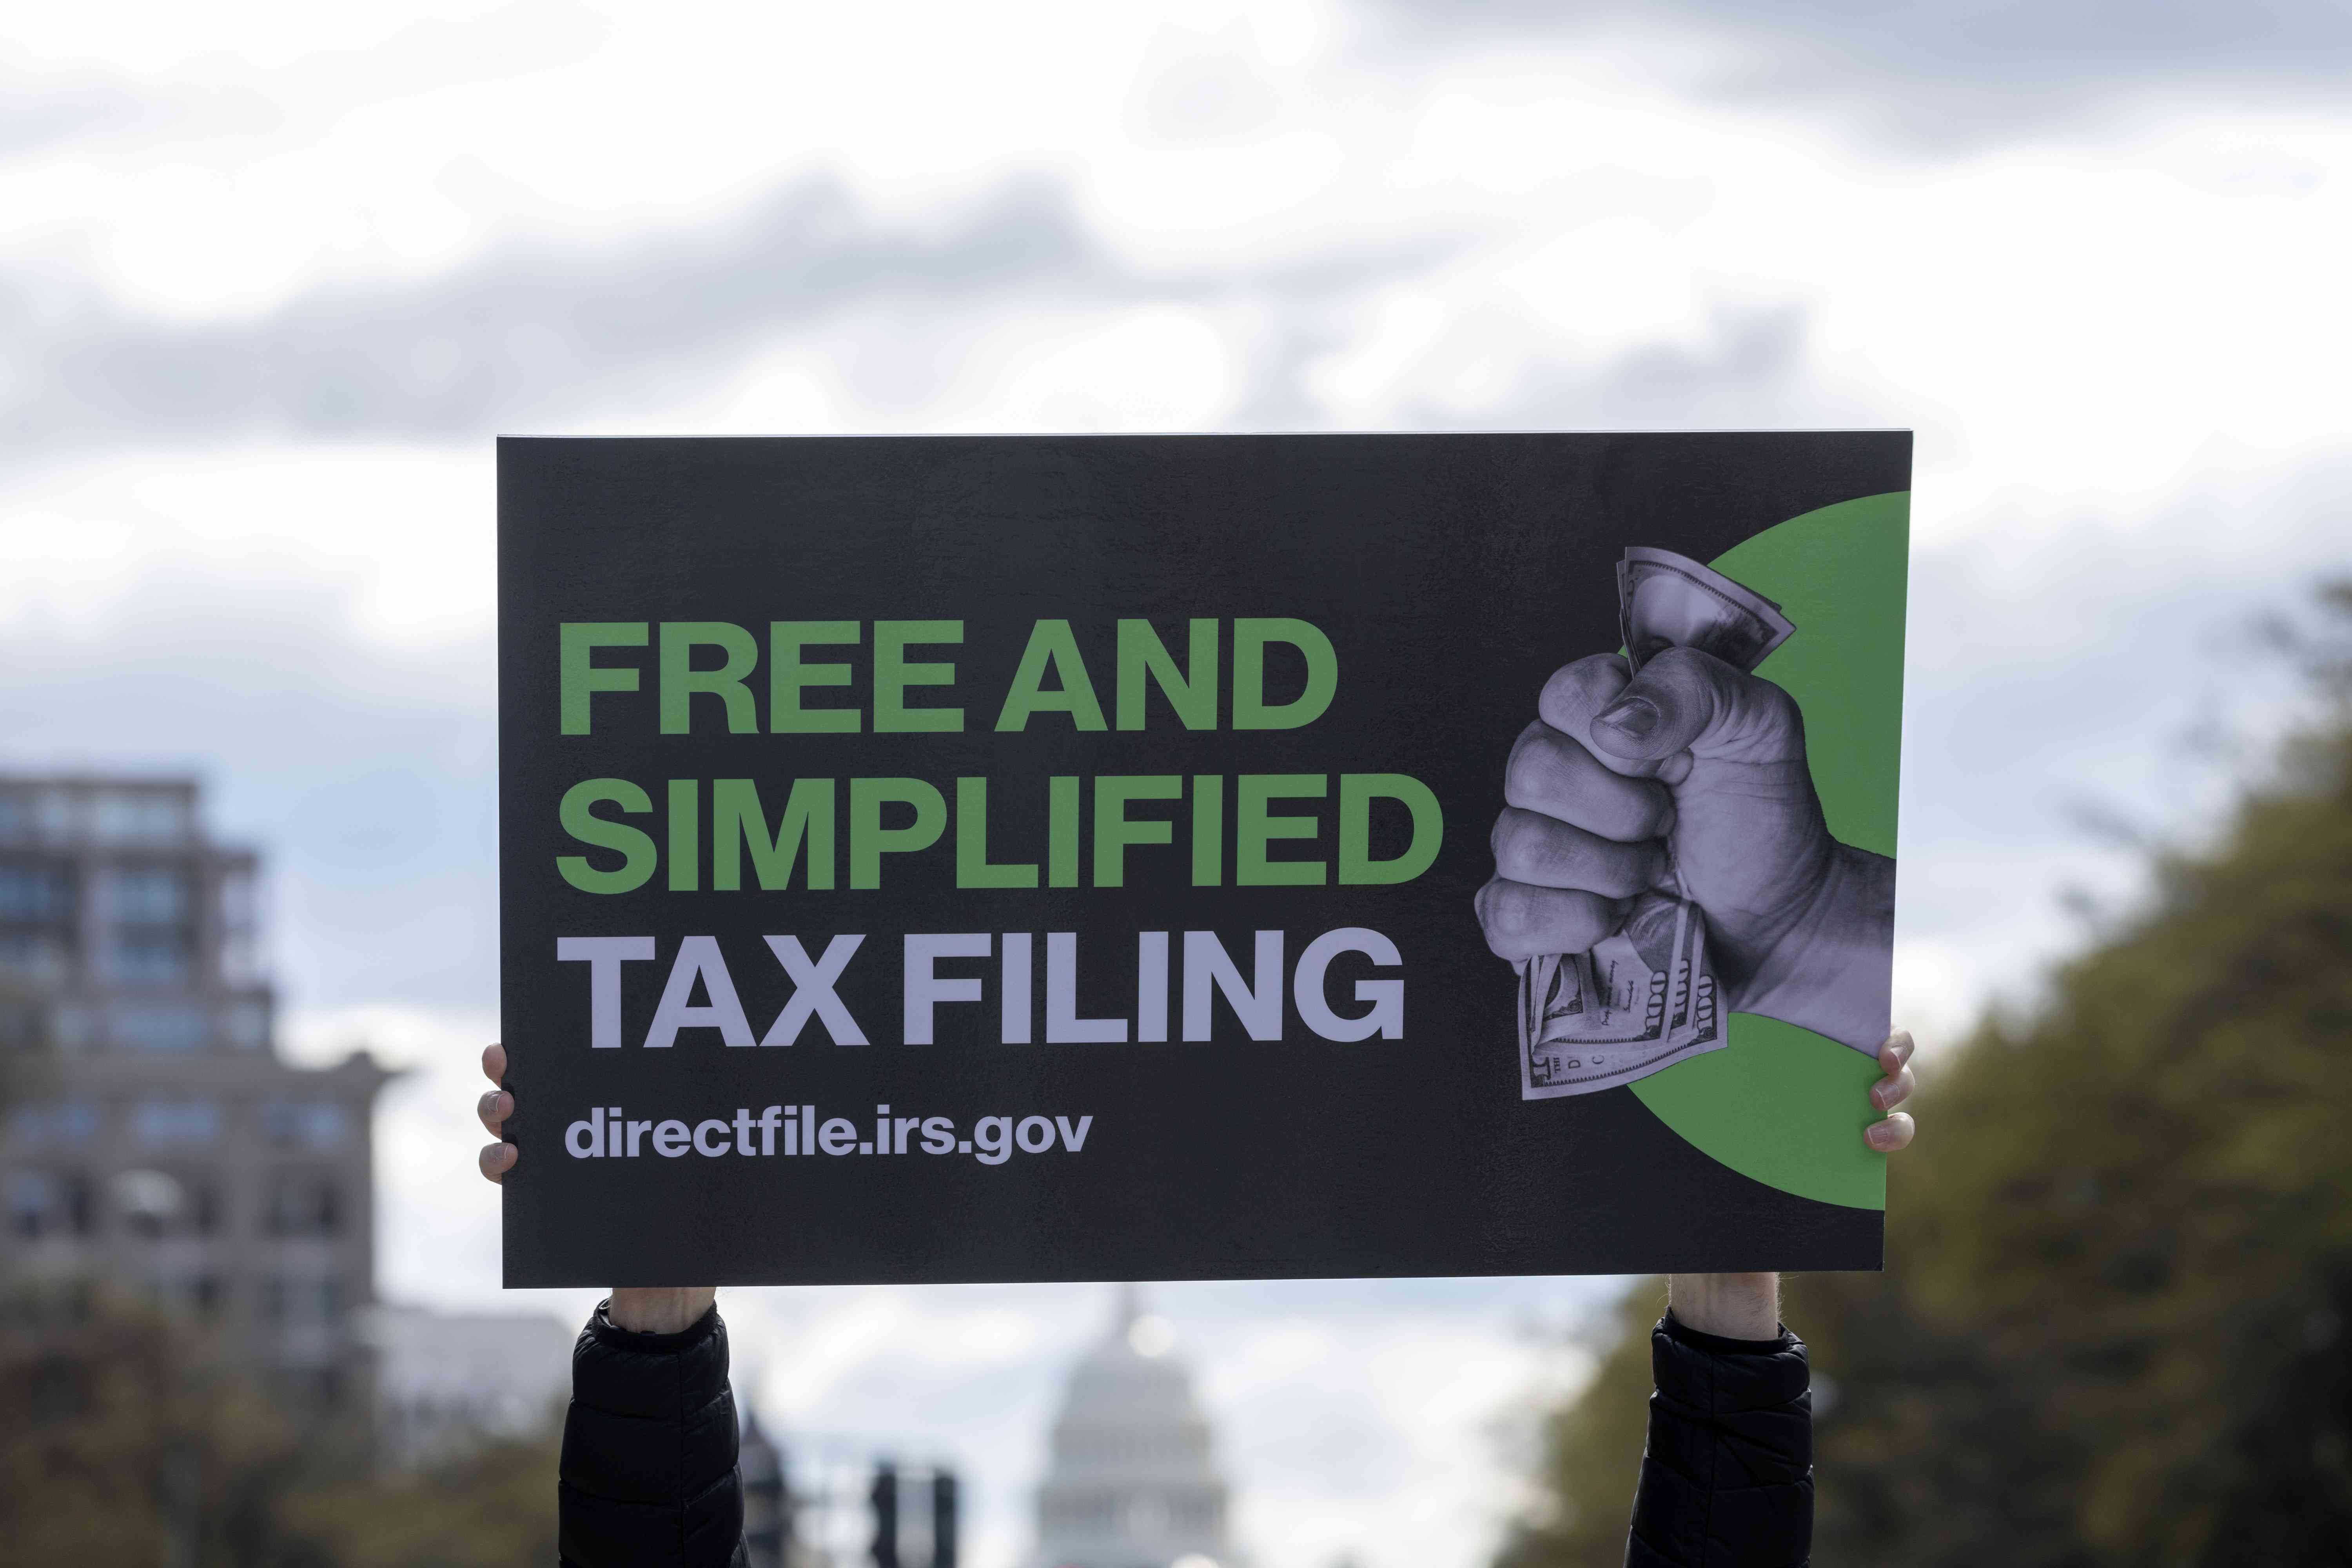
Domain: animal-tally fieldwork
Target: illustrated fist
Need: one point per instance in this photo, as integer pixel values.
(1690, 778)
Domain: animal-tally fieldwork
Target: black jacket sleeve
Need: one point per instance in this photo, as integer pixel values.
(1727, 1478)
(648, 1473)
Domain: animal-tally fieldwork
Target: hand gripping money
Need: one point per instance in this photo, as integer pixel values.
(1661, 859)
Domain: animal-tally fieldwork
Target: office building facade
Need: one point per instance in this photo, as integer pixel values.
(156, 1146)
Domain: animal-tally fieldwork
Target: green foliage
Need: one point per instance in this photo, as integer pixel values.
(123, 1440)
(119, 1442)
(492, 1508)
(2113, 1326)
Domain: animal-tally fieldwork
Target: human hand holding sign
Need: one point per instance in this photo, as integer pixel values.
(1747, 1305)
(1690, 779)
(644, 1310)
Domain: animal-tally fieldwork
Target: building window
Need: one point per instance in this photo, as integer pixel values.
(36, 891)
(151, 929)
(321, 1124)
(187, 1295)
(37, 919)
(301, 1301)
(240, 918)
(34, 956)
(163, 1123)
(148, 895)
(167, 1027)
(136, 816)
(45, 1203)
(72, 1027)
(157, 1204)
(50, 815)
(304, 1202)
(55, 1124)
(23, 1026)
(154, 955)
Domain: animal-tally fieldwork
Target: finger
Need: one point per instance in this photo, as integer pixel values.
(498, 1159)
(1523, 921)
(1551, 772)
(1891, 1134)
(1575, 693)
(494, 1110)
(1893, 1089)
(494, 1063)
(1532, 848)
(1895, 1052)
(1684, 699)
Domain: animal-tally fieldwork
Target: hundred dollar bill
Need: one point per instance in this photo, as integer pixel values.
(1666, 600)
(1646, 997)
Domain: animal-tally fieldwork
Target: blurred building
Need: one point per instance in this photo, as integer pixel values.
(767, 1495)
(1131, 1481)
(446, 1380)
(155, 1144)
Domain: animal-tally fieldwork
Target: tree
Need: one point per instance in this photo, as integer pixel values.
(2113, 1326)
(125, 1437)
(489, 1507)
(123, 1440)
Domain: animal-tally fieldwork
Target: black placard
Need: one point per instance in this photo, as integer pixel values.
(689, 628)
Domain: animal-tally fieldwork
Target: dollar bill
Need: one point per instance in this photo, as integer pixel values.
(1642, 1000)
(1646, 997)
(1666, 600)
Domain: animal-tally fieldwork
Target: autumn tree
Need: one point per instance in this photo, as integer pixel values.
(2113, 1326)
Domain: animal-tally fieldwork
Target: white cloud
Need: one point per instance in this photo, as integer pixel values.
(406, 536)
(1157, 367)
(2086, 327)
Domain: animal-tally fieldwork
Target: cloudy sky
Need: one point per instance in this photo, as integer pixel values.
(271, 277)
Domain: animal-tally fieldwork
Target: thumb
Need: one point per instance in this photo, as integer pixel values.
(1688, 701)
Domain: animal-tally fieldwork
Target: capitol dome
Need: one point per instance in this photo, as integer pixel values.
(1131, 1483)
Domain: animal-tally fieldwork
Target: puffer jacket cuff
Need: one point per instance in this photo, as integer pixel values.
(648, 1472)
(1727, 1478)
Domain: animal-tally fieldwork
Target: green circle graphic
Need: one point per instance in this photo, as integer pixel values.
(1779, 1104)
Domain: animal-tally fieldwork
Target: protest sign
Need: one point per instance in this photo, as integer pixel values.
(1072, 857)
